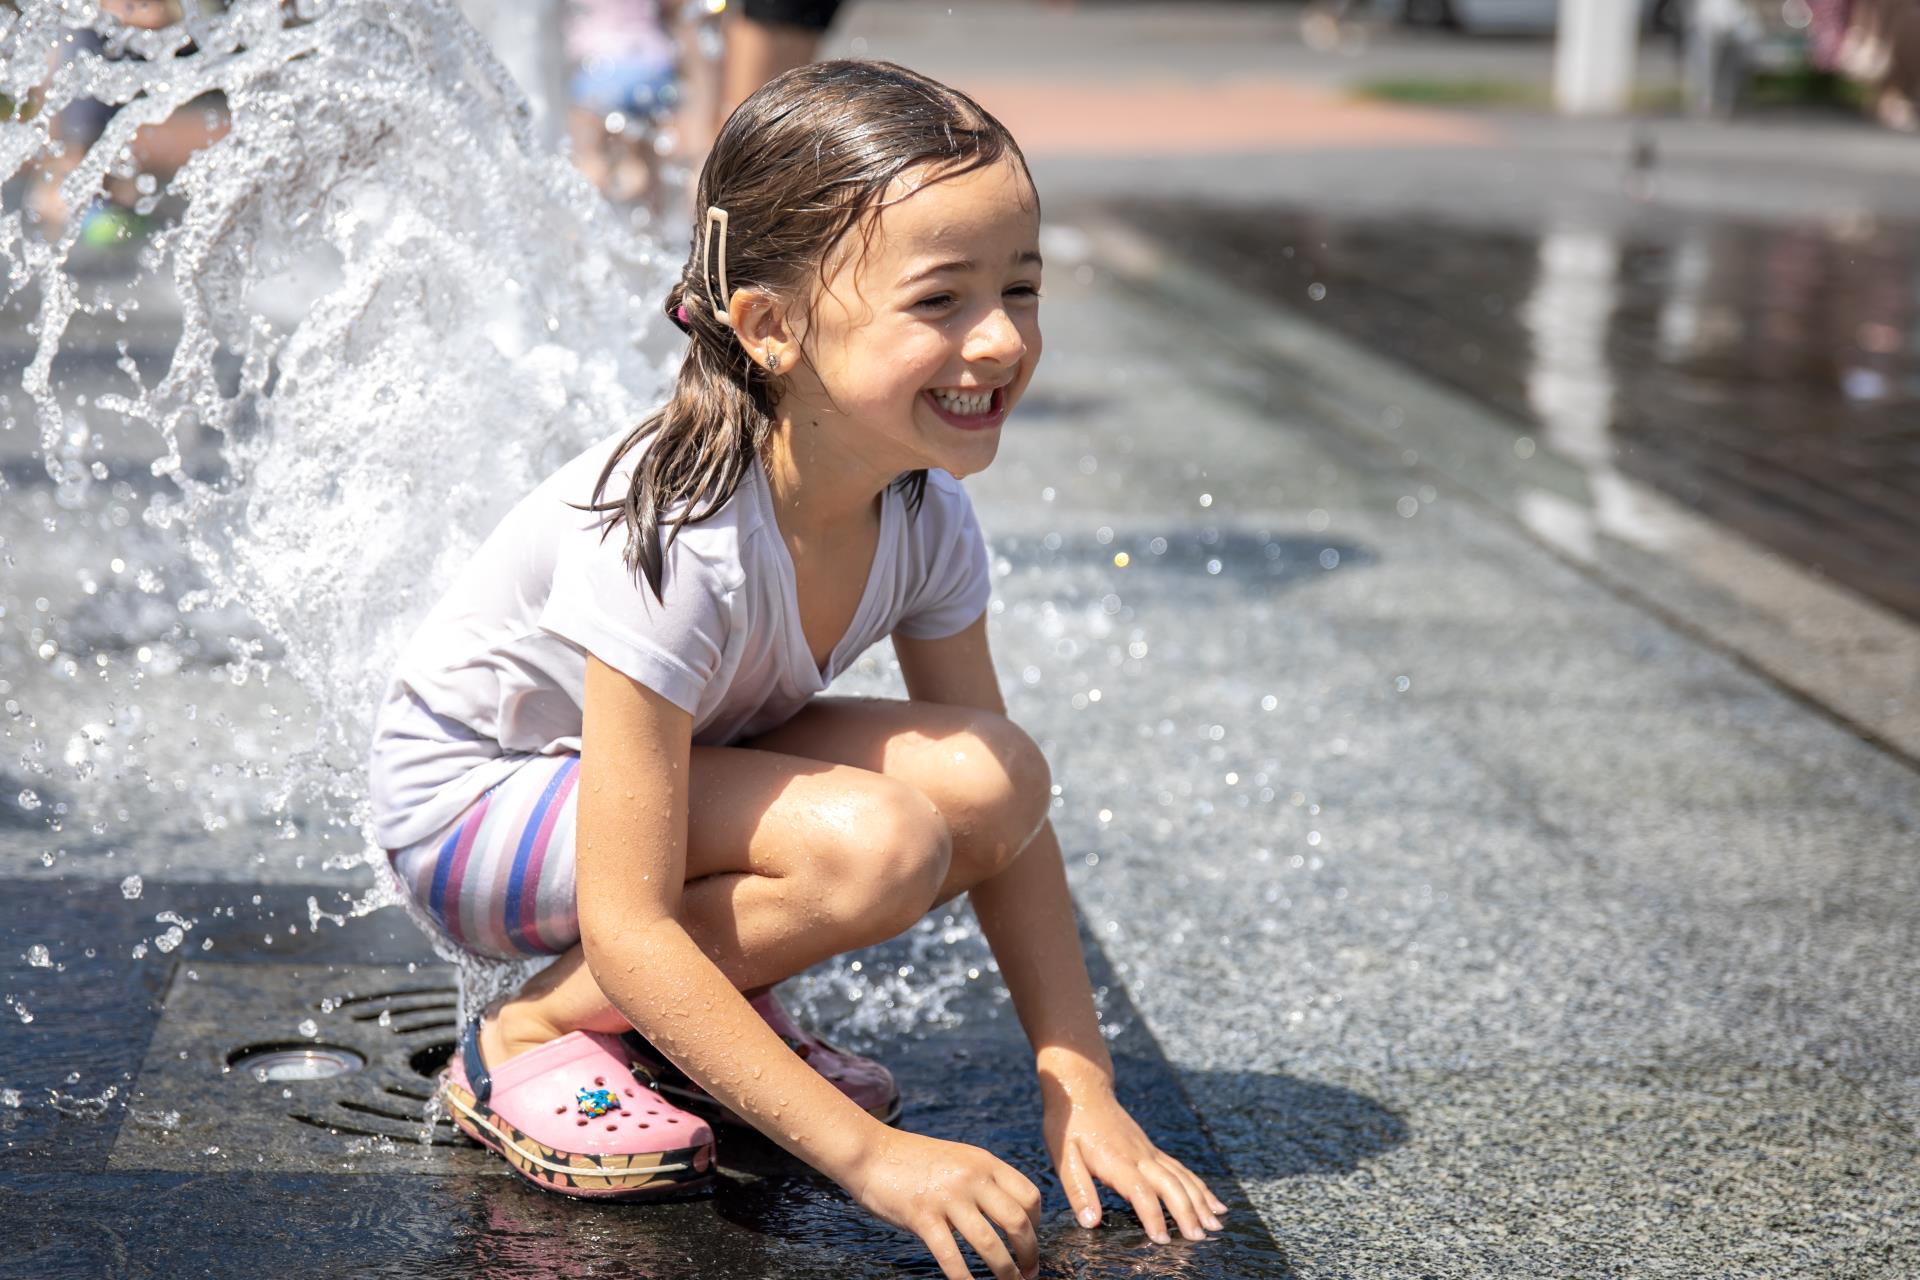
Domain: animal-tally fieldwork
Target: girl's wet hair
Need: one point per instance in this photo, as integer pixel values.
(805, 160)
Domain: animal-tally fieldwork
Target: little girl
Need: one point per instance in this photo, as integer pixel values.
(607, 742)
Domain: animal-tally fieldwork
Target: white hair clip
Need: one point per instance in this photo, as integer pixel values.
(716, 214)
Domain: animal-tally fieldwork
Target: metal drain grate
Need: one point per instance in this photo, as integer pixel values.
(347, 1054)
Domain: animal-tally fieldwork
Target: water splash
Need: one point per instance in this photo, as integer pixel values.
(375, 311)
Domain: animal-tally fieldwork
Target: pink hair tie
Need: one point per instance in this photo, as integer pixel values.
(680, 317)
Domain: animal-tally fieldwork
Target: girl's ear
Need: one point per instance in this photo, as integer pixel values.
(760, 321)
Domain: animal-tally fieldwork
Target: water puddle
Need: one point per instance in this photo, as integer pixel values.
(1766, 375)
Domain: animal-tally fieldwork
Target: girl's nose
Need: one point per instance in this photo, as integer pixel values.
(996, 339)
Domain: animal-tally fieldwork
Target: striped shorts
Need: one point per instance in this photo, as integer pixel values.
(499, 878)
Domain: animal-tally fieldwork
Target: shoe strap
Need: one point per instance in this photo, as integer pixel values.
(478, 1078)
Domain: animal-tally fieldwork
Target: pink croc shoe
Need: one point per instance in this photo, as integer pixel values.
(570, 1117)
(869, 1084)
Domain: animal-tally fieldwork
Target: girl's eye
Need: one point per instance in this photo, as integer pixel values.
(942, 299)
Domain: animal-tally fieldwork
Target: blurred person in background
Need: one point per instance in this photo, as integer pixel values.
(1877, 43)
(766, 37)
(624, 86)
(640, 63)
(158, 150)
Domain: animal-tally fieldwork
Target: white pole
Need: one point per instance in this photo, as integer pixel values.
(1593, 56)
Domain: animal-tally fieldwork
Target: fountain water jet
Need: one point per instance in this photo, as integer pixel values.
(376, 311)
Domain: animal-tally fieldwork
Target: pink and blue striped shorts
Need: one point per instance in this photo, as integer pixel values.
(499, 878)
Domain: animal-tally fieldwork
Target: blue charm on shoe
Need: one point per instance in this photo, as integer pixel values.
(596, 1102)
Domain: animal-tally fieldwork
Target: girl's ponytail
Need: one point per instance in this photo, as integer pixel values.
(714, 425)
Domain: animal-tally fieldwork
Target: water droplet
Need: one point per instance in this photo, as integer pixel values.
(29, 799)
(130, 887)
(309, 1028)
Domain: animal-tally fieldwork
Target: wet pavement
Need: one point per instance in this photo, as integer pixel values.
(1767, 377)
(157, 1151)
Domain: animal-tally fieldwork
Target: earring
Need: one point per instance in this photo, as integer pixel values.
(772, 358)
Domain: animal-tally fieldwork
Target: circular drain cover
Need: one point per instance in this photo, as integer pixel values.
(295, 1061)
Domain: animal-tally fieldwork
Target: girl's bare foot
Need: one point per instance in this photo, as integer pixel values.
(511, 1029)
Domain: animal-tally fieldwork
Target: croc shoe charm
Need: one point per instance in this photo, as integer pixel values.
(596, 1102)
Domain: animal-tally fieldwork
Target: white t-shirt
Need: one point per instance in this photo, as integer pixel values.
(498, 669)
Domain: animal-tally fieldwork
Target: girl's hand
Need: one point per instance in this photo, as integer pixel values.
(934, 1188)
(1090, 1135)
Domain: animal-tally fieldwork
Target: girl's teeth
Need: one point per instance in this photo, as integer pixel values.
(968, 405)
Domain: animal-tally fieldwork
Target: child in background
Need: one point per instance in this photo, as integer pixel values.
(624, 88)
(118, 214)
(608, 741)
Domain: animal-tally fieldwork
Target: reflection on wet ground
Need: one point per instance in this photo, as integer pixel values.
(1766, 376)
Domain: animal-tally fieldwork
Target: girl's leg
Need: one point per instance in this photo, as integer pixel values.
(837, 830)
(984, 775)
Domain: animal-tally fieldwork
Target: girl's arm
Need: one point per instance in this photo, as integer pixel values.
(635, 757)
(631, 866)
(1026, 913)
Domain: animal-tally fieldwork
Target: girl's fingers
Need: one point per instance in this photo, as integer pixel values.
(1174, 1193)
(1019, 1229)
(1023, 1193)
(1082, 1196)
(939, 1242)
(986, 1242)
(1203, 1200)
(1206, 1196)
(1146, 1207)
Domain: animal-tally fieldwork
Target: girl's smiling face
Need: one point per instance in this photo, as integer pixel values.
(946, 298)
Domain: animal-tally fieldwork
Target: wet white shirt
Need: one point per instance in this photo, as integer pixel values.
(498, 669)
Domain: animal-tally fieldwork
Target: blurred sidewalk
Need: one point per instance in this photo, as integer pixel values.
(1224, 101)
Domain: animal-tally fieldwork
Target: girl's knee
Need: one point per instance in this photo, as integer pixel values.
(1005, 783)
(888, 870)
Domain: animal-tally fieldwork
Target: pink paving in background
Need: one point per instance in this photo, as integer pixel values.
(1184, 118)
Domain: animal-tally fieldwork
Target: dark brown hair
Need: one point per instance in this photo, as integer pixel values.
(797, 165)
